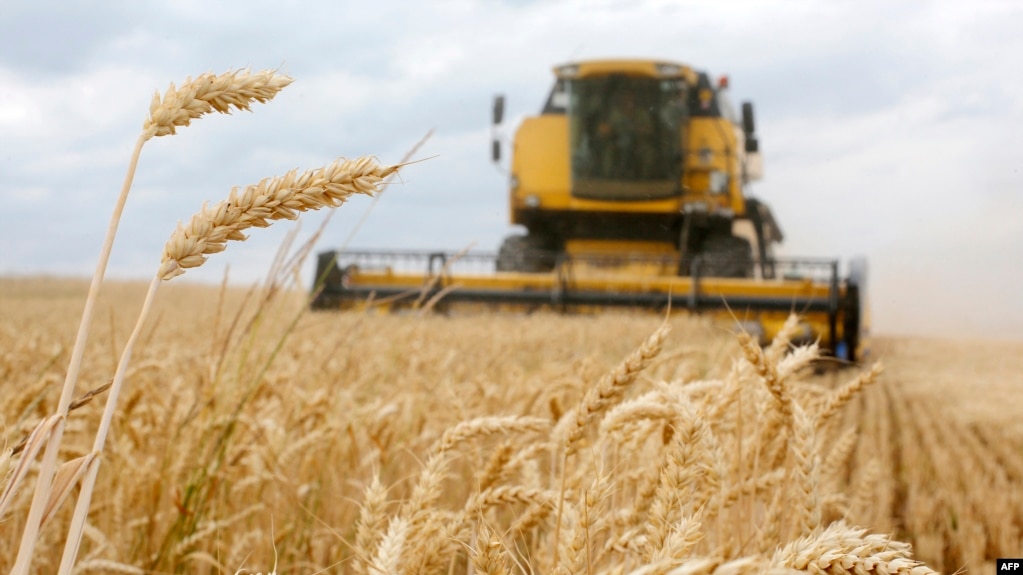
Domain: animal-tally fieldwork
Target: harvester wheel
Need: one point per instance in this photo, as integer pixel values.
(726, 256)
(527, 254)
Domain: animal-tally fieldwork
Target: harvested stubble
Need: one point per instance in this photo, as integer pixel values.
(403, 444)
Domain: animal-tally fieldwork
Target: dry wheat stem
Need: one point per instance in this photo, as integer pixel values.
(64, 481)
(33, 444)
(49, 463)
(107, 566)
(74, 537)
(282, 197)
(80, 401)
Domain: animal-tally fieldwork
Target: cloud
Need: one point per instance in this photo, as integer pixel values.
(888, 129)
(56, 37)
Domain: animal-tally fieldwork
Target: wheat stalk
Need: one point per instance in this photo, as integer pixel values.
(231, 89)
(178, 108)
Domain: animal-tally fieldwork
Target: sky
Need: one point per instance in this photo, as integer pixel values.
(890, 130)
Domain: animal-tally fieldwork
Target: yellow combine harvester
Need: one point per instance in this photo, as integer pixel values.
(630, 184)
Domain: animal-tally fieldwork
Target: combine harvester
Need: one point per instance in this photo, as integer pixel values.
(631, 186)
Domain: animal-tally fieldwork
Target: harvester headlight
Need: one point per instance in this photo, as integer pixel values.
(532, 201)
(718, 182)
(706, 155)
(568, 71)
(668, 69)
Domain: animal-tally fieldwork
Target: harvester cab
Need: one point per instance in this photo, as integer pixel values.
(631, 187)
(636, 158)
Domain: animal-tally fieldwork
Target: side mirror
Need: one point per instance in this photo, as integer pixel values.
(752, 145)
(496, 119)
(498, 109)
(747, 120)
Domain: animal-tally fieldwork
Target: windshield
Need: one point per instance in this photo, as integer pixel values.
(625, 136)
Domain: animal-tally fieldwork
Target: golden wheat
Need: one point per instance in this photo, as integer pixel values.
(334, 443)
(178, 108)
(257, 205)
(208, 93)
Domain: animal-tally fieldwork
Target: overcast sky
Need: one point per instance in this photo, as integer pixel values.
(891, 130)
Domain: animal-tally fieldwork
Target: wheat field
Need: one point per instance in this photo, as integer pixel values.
(253, 437)
(233, 431)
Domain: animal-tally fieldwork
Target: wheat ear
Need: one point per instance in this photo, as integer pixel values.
(371, 525)
(841, 396)
(280, 198)
(208, 232)
(841, 550)
(609, 391)
(178, 107)
(768, 372)
(805, 485)
(210, 93)
(489, 557)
